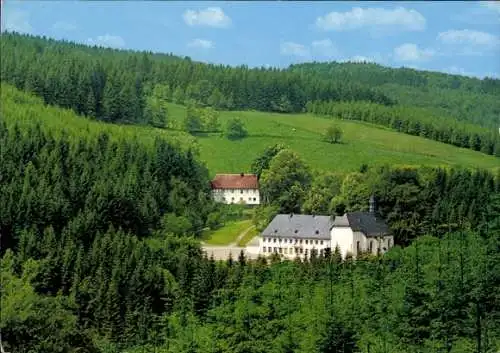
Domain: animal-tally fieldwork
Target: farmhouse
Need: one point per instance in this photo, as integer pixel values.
(236, 188)
(298, 235)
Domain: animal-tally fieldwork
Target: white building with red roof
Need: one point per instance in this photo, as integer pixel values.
(236, 188)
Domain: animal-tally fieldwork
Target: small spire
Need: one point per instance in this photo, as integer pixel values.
(372, 204)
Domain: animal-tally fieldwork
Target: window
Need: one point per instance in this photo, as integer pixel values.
(290, 241)
(358, 247)
(316, 242)
(274, 240)
(301, 250)
(321, 242)
(268, 249)
(307, 241)
(241, 191)
(300, 241)
(264, 249)
(254, 199)
(280, 250)
(241, 198)
(286, 250)
(275, 249)
(371, 245)
(306, 252)
(279, 240)
(249, 199)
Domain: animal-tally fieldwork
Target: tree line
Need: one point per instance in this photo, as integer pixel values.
(111, 85)
(465, 99)
(413, 121)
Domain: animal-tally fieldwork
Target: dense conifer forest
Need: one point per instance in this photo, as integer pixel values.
(100, 230)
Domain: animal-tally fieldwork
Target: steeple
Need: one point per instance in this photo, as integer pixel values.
(372, 204)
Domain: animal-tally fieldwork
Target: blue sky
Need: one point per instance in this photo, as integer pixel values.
(455, 37)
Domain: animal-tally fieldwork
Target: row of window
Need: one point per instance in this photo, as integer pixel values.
(289, 251)
(295, 241)
(241, 199)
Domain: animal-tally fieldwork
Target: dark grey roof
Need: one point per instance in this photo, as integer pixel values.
(367, 223)
(299, 226)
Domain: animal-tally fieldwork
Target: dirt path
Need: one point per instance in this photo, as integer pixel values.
(242, 234)
(221, 252)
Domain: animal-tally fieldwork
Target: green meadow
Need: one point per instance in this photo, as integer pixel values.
(361, 143)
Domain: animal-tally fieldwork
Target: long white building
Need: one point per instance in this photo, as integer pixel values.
(293, 235)
(236, 188)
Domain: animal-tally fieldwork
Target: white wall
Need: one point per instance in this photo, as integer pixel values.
(344, 238)
(229, 196)
(386, 242)
(289, 246)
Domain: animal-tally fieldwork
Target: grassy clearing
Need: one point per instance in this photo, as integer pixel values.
(362, 144)
(227, 234)
(247, 237)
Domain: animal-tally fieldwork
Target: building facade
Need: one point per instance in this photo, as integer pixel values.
(296, 235)
(236, 189)
(353, 233)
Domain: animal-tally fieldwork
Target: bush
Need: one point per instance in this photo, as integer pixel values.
(235, 129)
(333, 134)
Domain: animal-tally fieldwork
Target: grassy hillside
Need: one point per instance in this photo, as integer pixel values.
(129, 87)
(362, 143)
(25, 109)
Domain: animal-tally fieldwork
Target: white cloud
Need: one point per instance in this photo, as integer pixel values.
(107, 40)
(212, 17)
(469, 37)
(357, 18)
(294, 49)
(64, 26)
(201, 43)
(324, 47)
(411, 52)
(17, 21)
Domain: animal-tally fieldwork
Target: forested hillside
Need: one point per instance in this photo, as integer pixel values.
(464, 98)
(100, 223)
(122, 86)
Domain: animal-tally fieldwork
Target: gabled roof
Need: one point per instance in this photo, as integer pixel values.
(364, 222)
(235, 181)
(299, 226)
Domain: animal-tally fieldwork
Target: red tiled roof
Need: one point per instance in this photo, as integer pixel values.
(235, 181)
